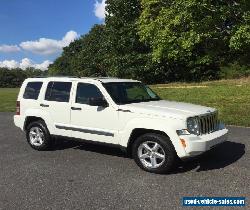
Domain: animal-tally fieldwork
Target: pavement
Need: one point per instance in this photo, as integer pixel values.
(85, 176)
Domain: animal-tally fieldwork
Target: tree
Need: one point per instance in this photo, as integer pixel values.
(83, 57)
(91, 61)
(14, 77)
(61, 67)
(200, 35)
(128, 56)
(162, 41)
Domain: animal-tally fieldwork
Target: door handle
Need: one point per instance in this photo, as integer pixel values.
(44, 105)
(76, 108)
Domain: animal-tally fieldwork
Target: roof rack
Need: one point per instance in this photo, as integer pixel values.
(54, 76)
(99, 78)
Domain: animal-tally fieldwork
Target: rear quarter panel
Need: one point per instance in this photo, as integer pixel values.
(30, 107)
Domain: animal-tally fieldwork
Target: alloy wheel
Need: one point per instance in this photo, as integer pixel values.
(36, 136)
(151, 154)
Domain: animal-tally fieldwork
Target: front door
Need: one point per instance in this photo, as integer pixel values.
(90, 122)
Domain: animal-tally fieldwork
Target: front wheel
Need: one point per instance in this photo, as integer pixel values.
(38, 136)
(154, 153)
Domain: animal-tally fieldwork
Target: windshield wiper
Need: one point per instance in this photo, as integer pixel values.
(139, 101)
(151, 99)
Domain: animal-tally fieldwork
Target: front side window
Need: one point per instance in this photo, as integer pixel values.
(87, 92)
(130, 92)
(32, 90)
(58, 91)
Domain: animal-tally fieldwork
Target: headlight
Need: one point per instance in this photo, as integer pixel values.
(182, 132)
(193, 125)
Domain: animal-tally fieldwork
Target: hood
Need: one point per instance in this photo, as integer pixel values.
(164, 108)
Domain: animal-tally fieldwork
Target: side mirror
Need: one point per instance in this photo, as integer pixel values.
(98, 102)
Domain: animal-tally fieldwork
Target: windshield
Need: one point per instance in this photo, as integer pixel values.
(130, 92)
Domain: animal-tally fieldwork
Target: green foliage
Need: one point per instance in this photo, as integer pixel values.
(11, 78)
(234, 71)
(61, 66)
(83, 57)
(201, 35)
(128, 56)
(162, 41)
(112, 49)
(93, 55)
(15, 77)
(241, 38)
(122, 35)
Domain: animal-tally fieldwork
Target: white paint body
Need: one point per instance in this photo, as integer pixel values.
(164, 116)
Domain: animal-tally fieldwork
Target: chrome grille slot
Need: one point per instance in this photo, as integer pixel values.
(208, 123)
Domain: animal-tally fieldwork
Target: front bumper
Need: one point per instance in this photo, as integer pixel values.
(196, 145)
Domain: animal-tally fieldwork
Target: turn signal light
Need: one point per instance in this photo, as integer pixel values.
(183, 143)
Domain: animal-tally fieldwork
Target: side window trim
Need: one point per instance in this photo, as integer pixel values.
(49, 90)
(50, 99)
(36, 93)
(86, 83)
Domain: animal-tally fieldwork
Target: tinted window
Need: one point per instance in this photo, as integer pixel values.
(32, 90)
(86, 93)
(58, 91)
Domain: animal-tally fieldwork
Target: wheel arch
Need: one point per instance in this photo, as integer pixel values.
(30, 119)
(166, 127)
(139, 132)
(32, 115)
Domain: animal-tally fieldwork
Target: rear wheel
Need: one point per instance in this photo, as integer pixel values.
(154, 153)
(38, 136)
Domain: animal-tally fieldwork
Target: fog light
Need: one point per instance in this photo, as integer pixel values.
(183, 143)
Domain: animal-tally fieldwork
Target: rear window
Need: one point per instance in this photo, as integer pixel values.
(58, 91)
(32, 90)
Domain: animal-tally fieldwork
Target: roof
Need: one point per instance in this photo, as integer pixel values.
(110, 79)
(101, 79)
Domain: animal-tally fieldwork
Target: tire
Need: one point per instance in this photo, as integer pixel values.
(38, 136)
(159, 156)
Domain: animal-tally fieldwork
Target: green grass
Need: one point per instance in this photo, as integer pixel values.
(8, 98)
(230, 97)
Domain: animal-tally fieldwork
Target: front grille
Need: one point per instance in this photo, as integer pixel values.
(208, 123)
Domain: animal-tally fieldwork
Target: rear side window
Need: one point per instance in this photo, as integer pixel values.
(58, 91)
(32, 90)
(86, 92)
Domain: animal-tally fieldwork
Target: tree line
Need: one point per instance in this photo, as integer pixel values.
(160, 41)
(11, 78)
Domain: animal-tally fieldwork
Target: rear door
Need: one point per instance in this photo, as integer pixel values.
(56, 104)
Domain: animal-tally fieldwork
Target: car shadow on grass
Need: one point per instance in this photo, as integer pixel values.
(220, 157)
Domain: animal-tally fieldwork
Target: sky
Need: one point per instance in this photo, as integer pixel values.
(33, 32)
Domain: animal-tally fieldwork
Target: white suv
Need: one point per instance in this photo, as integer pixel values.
(120, 112)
